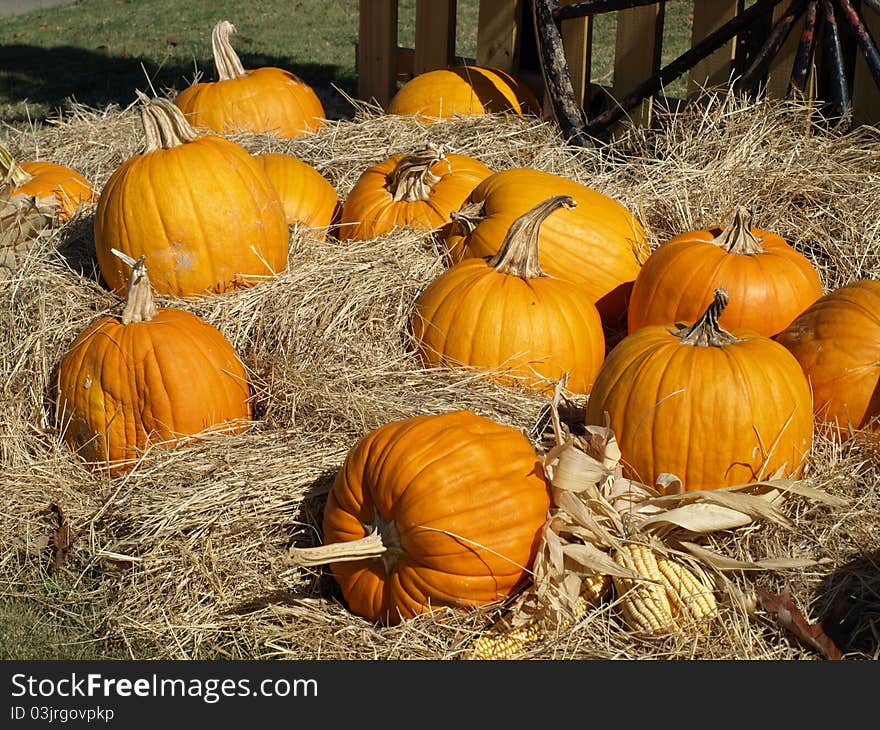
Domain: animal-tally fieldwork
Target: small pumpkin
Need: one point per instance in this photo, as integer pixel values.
(266, 99)
(67, 188)
(418, 190)
(769, 281)
(836, 340)
(433, 511)
(600, 246)
(199, 209)
(463, 90)
(150, 377)
(505, 315)
(714, 408)
(307, 196)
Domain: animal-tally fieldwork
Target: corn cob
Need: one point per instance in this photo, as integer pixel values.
(692, 601)
(643, 602)
(514, 643)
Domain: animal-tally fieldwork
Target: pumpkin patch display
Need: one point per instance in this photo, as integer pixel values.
(266, 99)
(307, 196)
(769, 282)
(418, 191)
(714, 408)
(150, 377)
(505, 315)
(432, 511)
(599, 246)
(463, 90)
(199, 209)
(837, 343)
(66, 189)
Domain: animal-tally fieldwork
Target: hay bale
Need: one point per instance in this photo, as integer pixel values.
(185, 555)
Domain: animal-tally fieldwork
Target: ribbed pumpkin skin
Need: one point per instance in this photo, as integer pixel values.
(598, 246)
(518, 328)
(465, 90)
(370, 211)
(307, 196)
(767, 290)
(266, 99)
(698, 412)
(837, 343)
(67, 186)
(124, 387)
(468, 497)
(204, 214)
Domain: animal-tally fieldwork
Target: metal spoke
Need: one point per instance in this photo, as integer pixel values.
(804, 55)
(869, 48)
(839, 88)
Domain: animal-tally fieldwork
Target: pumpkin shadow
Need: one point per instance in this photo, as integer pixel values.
(848, 606)
(77, 249)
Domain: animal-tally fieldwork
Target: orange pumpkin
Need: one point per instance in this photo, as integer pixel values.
(599, 246)
(307, 196)
(152, 377)
(200, 209)
(837, 343)
(459, 503)
(506, 316)
(770, 283)
(419, 191)
(463, 90)
(66, 188)
(715, 408)
(266, 99)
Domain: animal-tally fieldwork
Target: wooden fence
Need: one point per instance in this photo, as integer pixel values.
(504, 29)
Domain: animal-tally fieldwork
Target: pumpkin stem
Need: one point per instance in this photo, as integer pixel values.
(164, 124)
(139, 304)
(706, 332)
(226, 60)
(411, 179)
(467, 218)
(737, 237)
(10, 170)
(383, 542)
(518, 255)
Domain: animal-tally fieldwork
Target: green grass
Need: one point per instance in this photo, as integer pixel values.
(97, 52)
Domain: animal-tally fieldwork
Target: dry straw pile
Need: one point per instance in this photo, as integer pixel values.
(186, 556)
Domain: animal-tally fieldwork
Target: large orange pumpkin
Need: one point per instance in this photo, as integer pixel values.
(599, 246)
(465, 90)
(715, 408)
(458, 501)
(68, 190)
(769, 282)
(266, 99)
(837, 343)
(307, 196)
(152, 377)
(418, 190)
(200, 209)
(504, 315)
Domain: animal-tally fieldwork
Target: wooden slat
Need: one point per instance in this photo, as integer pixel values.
(498, 33)
(866, 95)
(435, 34)
(714, 71)
(637, 53)
(577, 39)
(377, 50)
(779, 74)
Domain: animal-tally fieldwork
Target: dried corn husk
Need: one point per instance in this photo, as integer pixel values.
(22, 217)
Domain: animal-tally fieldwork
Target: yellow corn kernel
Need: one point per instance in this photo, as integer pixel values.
(692, 600)
(643, 602)
(506, 646)
(595, 589)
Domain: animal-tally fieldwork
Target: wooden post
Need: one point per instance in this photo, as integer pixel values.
(637, 54)
(779, 73)
(377, 50)
(435, 35)
(577, 40)
(866, 94)
(498, 33)
(714, 71)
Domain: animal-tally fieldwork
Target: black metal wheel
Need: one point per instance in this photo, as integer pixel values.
(825, 22)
